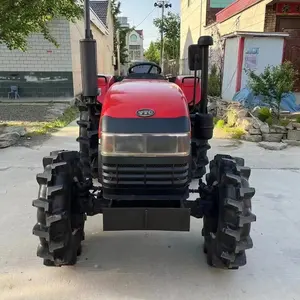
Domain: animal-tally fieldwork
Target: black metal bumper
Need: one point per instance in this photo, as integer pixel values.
(164, 219)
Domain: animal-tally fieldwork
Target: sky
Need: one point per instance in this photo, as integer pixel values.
(138, 10)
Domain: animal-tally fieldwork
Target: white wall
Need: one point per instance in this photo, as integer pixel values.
(230, 68)
(270, 53)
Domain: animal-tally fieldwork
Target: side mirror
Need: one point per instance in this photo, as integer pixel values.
(194, 57)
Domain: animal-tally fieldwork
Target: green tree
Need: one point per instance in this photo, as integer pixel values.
(171, 30)
(273, 83)
(214, 82)
(116, 11)
(152, 54)
(20, 18)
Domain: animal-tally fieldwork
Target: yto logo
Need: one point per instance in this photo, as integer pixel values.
(145, 113)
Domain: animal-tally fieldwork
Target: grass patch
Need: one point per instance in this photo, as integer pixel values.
(235, 132)
(43, 128)
(69, 115)
(284, 122)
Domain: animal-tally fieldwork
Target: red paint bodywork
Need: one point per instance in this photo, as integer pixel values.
(104, 83)
(168, 100)
(186, 83)
(124, 99)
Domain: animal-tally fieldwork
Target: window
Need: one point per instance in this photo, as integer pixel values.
(137, 54)
(133, 38)
(134, 47)
(131, 55)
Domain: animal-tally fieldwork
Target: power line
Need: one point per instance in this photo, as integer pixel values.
(145, 18)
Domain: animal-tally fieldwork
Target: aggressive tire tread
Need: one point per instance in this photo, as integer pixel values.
(88, 136)
(227, 232)
(59, 227)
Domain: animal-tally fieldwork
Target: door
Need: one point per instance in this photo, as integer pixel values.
(292, 45)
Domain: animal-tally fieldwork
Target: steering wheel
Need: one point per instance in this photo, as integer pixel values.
(150, 64)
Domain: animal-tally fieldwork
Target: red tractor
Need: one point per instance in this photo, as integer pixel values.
(143, 139)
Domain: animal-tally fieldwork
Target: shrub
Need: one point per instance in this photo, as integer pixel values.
(214, 82)
(232, 117)
(216, 119)
(220, 124)
(235, 132)
(298, 119)
(238, 133)
(264, 113)
(273, 83)
(269, 121)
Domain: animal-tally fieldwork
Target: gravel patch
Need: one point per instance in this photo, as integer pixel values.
(26, 115)
(38, 112)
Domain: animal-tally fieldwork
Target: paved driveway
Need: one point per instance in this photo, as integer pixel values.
(154, 265)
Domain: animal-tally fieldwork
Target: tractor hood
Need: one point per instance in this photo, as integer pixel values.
(126, 98)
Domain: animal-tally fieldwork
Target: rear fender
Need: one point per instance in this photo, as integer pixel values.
(104, 83)
(186, 83)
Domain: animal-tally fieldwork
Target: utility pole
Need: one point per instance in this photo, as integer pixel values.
(119, 54)
(162, 4)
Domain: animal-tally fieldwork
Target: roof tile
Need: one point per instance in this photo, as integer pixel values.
(100, 8)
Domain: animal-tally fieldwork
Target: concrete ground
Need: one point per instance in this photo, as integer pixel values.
(24, 100)
(153, 265)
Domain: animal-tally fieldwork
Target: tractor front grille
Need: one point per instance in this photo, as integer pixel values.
(145, 179)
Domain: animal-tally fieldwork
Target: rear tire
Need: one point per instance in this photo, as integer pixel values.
(88, 136)
(60, 220)
(227, 230)
(199, 158)
(202, 131)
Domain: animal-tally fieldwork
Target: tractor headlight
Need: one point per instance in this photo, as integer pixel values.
(145, 144)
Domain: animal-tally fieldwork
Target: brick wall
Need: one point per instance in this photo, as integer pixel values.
(43, 70)
(270, 19)
(41, 55)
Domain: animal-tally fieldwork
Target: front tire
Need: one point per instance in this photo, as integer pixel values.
(60, 222)
(227, 230)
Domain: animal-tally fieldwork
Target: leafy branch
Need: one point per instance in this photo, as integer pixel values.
(21, 18)
(273, 83)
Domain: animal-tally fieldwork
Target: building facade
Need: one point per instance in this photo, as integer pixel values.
(46, 71)
(197, 19)
(266, 16)
(134, 44)
(203, 18)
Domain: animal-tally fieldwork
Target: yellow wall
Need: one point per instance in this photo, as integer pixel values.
(192, 23)
(251, 19)
(104, 51)
(76, 33)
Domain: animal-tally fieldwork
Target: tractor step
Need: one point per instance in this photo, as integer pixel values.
(164, 219)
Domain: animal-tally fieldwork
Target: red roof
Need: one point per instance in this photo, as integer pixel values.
(233, 9)
(140, 32)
